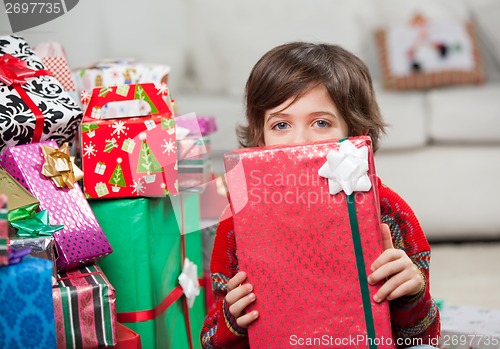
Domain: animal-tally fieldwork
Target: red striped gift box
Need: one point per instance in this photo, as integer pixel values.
(85, 309)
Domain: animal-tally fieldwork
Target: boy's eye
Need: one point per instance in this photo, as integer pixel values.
(280, 126)
(322, 123)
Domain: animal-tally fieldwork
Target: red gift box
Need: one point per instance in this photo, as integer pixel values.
(124, 154)
(214, 199)
(306, 251)
(126, 338)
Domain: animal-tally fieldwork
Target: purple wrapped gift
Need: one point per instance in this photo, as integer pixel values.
(203, 125)
(82, 240)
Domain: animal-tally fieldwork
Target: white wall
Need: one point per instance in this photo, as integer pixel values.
(148, 30)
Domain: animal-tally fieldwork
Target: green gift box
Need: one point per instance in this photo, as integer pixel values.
(147, 260)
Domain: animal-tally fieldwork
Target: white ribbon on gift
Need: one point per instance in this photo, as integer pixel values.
(347, 169)
(189, 281)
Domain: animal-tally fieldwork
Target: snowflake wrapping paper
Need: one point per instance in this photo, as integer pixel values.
(129, 156)
(36, 109)
(301, 250)
(82, 240)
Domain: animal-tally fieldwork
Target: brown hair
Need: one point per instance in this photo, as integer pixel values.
(291, 70)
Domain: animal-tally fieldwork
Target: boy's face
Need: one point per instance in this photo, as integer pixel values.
(313, 117)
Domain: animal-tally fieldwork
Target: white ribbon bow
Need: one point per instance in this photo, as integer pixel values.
(189, 281)
(347, 169)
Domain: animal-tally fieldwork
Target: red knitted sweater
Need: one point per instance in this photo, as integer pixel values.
(411, 318)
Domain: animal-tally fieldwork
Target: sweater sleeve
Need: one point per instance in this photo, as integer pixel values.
(220, 330)
(418, 316)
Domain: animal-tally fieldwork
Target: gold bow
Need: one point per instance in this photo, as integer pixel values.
(60, 167)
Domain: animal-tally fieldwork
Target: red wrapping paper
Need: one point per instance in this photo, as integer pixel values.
(296, 244)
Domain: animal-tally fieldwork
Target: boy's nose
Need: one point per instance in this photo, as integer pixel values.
(301, 137)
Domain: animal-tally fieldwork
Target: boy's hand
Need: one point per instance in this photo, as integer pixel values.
(238, 298)
(403, 277)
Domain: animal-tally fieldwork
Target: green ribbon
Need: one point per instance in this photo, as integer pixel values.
(360, 263)
(36, 226)
(22, 213)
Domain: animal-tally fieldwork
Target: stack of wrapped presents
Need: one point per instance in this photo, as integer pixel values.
(105, 251)
(101, 242)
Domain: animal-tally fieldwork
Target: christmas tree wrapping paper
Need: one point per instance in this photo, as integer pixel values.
(146, 264)
(35, 106)
(85, 309)
(311, 248)
(26, 308)
(115, 73)
(129, 143)
(81, 241)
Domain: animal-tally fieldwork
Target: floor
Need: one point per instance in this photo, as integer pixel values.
(466, 274)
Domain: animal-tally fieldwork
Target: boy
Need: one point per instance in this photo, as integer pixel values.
(304, 92)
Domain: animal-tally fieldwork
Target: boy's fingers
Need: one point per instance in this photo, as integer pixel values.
(239, 306)
(386, 257)
(238, 293)
(390, 286)
(403, 290)
(236, 280)
(386, 271)
(245, 320)
(386, 236)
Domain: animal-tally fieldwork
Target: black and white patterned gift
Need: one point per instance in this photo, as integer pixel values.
(33, 105)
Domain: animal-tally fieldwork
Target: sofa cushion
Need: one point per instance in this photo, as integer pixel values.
(405, 114)
(465, 114)
(454, 191)
(230, 36)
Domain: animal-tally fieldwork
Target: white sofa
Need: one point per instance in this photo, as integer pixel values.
(442, 150)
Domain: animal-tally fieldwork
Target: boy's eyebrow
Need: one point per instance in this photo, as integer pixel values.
(313, 113)
(276, 115)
